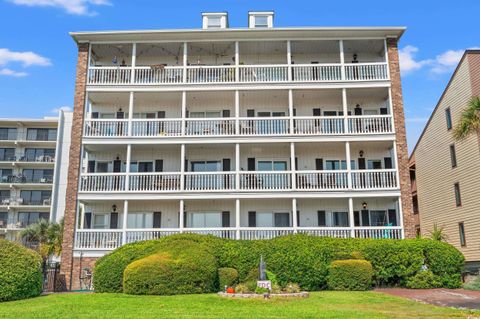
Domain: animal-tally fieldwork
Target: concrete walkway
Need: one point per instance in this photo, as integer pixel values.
(457, 298)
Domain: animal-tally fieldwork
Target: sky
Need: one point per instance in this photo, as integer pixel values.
(37, 55)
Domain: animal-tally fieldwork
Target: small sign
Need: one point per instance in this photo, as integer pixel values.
(264, 284)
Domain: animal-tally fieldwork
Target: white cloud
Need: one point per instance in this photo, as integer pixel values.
(9, 72)
(447, 61)
(26, 58)
(61, 108)
(77, 7)
(407, 59)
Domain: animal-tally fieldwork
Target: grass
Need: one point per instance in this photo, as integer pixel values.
(318, 305)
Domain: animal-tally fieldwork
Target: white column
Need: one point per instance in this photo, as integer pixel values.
(124, 224)
(390, 109)
(180, 219)
(348, 159)
(289, 59)
(395, 164)
(292, 166)
(134, 62)
(237, 218)
(237, 166)
(127, 168)
(237, 62)
(342, 59)
(184, 111)
(294, 215)
(237, 112)
(185, 60)
(130, 112)
(400, 213)
(345, 111)
(290, 111)
(351, 219)
(385, 46)
(182, 167)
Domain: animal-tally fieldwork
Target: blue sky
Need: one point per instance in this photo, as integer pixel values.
(37, 56)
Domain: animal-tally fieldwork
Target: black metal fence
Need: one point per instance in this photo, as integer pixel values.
(51, 277)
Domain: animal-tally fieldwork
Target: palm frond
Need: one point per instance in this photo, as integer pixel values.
(469, 120)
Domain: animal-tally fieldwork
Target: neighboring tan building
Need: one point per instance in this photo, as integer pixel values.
(448, 171)
(33, 171)
(244, 133)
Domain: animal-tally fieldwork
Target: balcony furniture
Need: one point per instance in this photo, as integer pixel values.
(6, 201)
(47, 202)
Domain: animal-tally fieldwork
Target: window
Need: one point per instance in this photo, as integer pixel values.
(100, 221)
(461, 230)
(3, 219)
(205, 114)
(39, 154)
(272, 165)
(7, 154)
(214, 22)
(261, 22)
(41, 134)
(340, 219)
(36, 197)
(453, 156)
(273, 219)
(105, 167)
(374, 164)
(458, 199)
(4, 194)
(38, 175)
(333, 165)
(8, 133)
(26, 219)
(140, 220)
(204, 219)
(448, 116)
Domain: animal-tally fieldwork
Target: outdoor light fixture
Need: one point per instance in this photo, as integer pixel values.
(360, 153)
(114, 208)
(364, 205)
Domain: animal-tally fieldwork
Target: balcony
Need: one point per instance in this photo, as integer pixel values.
(101, 239)
(242, 126)
(242, 74)
(379, 179)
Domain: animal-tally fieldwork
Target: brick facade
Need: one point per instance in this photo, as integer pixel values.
(74, 164)
(401, 139)
(77, 265)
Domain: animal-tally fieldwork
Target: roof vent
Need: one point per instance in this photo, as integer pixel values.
(260, 19)
(214, 20)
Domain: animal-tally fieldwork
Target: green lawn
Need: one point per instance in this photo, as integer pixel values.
(318, 305)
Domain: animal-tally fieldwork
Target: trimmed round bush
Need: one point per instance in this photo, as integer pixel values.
(227, 277)
(444, 261)
(424, 279)
(185, 268)
(350, 274)
(20, 272)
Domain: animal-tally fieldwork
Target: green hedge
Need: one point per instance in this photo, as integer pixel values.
(184, 268)
(300, 259)
(20, 272)
(227, 277)
(423, 280)
(350, 274)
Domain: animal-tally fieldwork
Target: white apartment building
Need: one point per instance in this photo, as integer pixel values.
(33, 158)
(240, 133)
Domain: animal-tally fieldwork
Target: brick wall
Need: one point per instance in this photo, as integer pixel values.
(77, 265)
(401, 138)
(74, 164)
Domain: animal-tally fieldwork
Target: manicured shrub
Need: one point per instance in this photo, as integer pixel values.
(242, 289)
(20, 272)
(184, 268)
(444, 261)
(424, 279)
(227, 277)
(350, 274)
(291, 288)
(473, 285)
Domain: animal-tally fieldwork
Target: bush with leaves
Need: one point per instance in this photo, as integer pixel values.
(227, 277)
(424, 279)
(350, 274)
(20, 272)
(473, 285)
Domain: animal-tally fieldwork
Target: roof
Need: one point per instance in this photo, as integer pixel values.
(467, 52)
(236, 34)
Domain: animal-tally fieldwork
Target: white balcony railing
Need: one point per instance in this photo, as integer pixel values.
(370, 124)
(156, 127)
(158, 75)
(209, 127)
(366, 71)
(274, 180)
(154, 182)
(209, 181)
(378, 179)
(322, 180)
(109, 75)
(210, 74)
(102, 182)
(106, 128)
(321, 125)
(264, 126)
(109, 239)
(316, 72)
(263, 73)
(374, 179)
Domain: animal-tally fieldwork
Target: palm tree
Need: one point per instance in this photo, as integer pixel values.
(438, 233)
(469, 121)
(47, 235)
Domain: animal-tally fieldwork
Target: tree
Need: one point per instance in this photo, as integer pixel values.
(438, 233)
(469, 120)
(47, 235)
